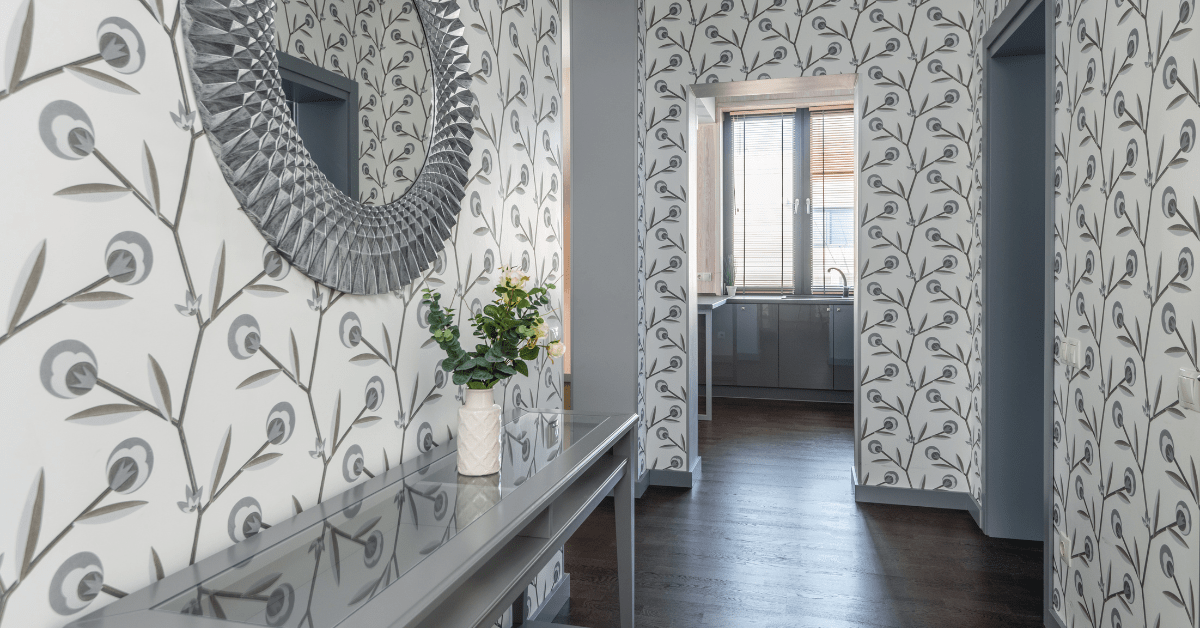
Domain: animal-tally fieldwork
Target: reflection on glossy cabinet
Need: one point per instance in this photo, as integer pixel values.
(756, 344)
(722, 348)
(805, 346)
(843, 347)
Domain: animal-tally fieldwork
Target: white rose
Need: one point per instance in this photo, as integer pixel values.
(556, 349)
(513, 278)
(542, 330)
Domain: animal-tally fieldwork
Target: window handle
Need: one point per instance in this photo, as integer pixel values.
(808, 206)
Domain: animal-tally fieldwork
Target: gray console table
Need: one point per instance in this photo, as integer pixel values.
(419, 546)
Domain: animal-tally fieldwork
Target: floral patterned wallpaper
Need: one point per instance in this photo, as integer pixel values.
(643, 329)
(919, 204)
(380, 45)
(172, 387)
(1127, 226)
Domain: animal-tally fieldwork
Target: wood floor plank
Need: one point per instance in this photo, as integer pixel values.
(771, 537)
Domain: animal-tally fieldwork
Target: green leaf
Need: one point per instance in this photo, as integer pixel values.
(521, 368)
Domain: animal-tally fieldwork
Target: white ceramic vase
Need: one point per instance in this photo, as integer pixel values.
(730, 290)
(479, 434)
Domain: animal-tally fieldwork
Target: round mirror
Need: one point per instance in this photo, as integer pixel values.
(413, 104)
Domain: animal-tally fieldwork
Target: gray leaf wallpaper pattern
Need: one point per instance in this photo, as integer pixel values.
(173, 387)
(1126, 229)
(643, 331)
(918, 204)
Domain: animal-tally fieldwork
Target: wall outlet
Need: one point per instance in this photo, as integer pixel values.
(1064, 551)
(1071, 352)
(1189, 389)
(705, 277)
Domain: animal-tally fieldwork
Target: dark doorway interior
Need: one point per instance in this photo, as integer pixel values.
(1016, 275)
(324, 106)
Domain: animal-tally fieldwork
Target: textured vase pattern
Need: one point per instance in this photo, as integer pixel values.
(476, 495)
(479, 434)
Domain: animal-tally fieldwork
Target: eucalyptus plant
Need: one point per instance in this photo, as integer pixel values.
(510, 330)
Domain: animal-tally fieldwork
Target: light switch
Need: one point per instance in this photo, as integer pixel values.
(1189, 389)
(1071, 352)
(705, 277)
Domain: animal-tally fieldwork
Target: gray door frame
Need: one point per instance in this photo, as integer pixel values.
(337, 87)
(1001, 32)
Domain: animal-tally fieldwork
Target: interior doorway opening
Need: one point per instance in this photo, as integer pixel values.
(772, 201)
(1017, 274)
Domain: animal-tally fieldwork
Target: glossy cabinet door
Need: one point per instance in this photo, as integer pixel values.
(722, 347)
(806, 346)
(756, 344)
(843, 347)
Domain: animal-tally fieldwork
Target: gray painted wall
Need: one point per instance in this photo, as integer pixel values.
(1014, 262)
(604, 299)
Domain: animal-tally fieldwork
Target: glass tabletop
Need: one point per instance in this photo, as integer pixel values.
(322, 574)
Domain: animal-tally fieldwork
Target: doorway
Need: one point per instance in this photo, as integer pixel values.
(771, 201)
(1017, 274)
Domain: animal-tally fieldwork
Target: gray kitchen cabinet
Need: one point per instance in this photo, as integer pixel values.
(756, 344)
(806, 346)
(842, 346)
(723, 365)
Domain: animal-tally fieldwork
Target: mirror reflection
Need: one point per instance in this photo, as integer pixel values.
(371, 142)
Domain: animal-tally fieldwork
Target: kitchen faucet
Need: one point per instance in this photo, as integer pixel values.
(845, 283)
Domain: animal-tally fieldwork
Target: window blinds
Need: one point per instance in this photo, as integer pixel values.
(832, 167)
(763, 174)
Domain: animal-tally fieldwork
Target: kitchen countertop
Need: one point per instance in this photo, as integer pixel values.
(707, 302)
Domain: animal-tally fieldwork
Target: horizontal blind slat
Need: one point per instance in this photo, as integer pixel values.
(763, 169)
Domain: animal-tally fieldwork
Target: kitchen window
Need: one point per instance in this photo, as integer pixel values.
(789, 202)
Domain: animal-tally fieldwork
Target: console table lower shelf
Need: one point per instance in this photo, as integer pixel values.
(418, 546)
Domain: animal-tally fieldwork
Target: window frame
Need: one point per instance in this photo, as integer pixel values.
(802, 252)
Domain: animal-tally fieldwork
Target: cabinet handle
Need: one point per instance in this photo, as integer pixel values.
(826, 309)
(839, 309)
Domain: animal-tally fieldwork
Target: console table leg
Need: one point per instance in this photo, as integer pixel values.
(623, 494)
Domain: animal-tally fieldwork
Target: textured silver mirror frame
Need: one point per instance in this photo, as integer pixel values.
(336, 240)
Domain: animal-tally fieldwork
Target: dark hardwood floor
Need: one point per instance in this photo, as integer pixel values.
(771, 537)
